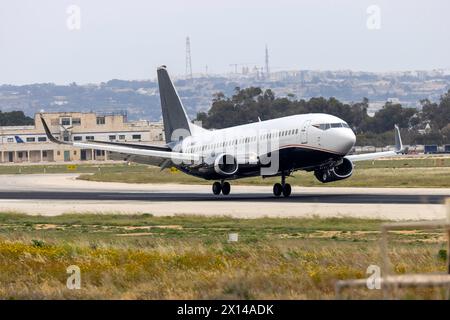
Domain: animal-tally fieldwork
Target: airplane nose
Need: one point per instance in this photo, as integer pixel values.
(347, 140)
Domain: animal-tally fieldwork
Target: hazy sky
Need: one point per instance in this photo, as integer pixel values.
(128, 39)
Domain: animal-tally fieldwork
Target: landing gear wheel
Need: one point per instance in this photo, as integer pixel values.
(277, 189)
(216, 188)
(287, 190)
(226, 188)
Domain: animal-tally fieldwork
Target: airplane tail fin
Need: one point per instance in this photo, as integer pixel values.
(398, 140)
(175, 119)
(18, 139)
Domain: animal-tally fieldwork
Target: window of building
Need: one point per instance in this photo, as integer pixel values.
(77, 138)
(100, 120)
(10, 140)
(89, 137)
(42, 139)
(76, 121)
(122, 137)
(66, 138)
(44, 154)
(19, 154)
(58, 153)
(112, 137)
(137, 136)
(74, 152)
(31, 139)
(65, 121)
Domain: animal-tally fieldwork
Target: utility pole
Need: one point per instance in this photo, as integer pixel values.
(188, 59)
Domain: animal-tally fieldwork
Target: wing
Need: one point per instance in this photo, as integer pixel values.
(155, 154)
(375, 155)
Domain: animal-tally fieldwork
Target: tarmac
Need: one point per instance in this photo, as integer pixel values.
(54, 194)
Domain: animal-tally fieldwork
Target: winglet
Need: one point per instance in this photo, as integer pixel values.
(398, 140)
(48, 133)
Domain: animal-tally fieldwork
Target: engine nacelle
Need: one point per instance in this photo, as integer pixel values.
(339, 172)
(225, 164)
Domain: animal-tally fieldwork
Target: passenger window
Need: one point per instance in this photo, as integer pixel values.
(336, 125)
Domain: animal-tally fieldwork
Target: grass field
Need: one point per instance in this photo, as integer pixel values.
(379, 177)
(188, 257)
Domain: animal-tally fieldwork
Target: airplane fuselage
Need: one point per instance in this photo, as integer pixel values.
(299, 142)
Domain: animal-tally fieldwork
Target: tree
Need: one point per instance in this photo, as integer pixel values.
(15, 118)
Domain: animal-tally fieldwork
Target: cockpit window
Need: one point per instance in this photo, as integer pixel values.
(326, 126)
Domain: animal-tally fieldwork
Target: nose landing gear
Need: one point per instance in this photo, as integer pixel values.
(282, 188)
(222, 186)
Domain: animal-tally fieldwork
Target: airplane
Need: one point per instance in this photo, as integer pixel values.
(314, 142)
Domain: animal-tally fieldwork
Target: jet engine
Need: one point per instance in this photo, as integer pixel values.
(225, 164)
(335, 173)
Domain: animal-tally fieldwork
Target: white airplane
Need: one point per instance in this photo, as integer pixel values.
(312, 142)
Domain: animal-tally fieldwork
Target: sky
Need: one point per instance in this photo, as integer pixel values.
(90, 41)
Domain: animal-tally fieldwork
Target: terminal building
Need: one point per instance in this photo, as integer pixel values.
(29, 144)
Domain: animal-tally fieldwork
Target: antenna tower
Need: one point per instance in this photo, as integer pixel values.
(188, 59)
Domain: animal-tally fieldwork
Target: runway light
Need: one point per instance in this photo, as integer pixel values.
(233, 237)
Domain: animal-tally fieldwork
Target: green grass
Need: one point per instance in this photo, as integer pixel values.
(188, 257)
(362, 177)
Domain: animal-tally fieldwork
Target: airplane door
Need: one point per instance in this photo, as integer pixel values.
(304, 132)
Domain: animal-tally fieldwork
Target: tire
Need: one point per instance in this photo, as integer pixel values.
(277, 189)
(226, 188)
(287, 190)
(216, 188)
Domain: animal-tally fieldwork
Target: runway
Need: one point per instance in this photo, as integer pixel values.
(318, 197)
(54, 194)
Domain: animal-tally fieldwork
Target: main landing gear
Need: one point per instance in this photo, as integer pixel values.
(222, 186)
(282, 188)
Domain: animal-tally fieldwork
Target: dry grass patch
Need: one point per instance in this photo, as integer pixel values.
(188, 257)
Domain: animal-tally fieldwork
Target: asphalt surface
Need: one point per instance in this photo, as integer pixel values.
(343, 198)
(54, 194)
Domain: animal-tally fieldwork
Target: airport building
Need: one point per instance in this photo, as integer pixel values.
(29, 143)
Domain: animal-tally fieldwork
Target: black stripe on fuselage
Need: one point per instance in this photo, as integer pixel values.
(290, 158)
